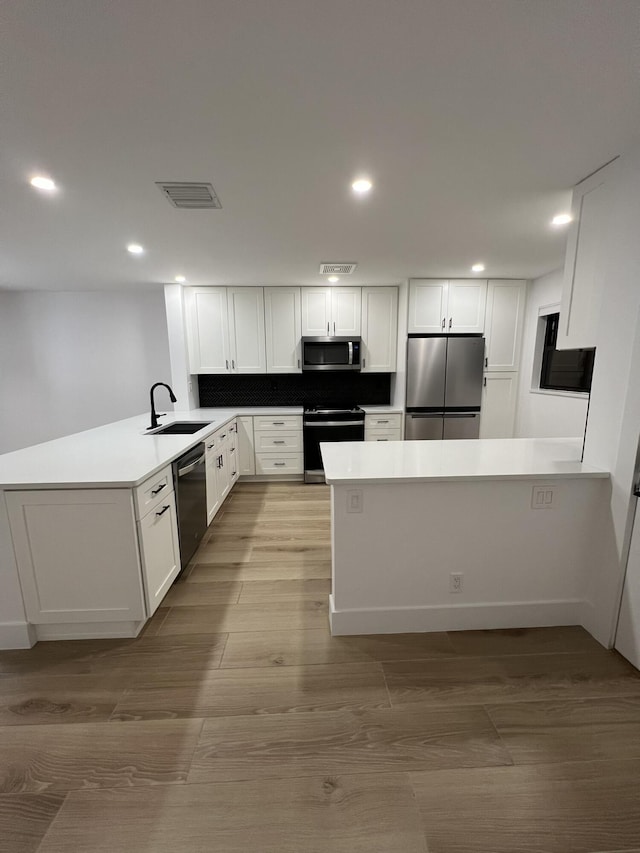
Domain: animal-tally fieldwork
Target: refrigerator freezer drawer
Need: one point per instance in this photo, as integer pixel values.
(437, 426)
(462, 425)
(424, 427)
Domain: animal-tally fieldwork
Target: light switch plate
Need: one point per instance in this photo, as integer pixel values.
(543, 497)
(354, 500)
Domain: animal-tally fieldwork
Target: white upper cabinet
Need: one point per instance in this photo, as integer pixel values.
(316, 311)
(439, 306)
(345, 311)
(583, 282)
(427, 305)
(226, 330)
(379, 329)
(209, 330)
(331, 311)
(283, 322)
(245, 307)
(503, 324)
(466, 306)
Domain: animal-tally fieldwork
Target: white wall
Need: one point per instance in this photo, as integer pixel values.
(544, 414)
(72, 361)
(614, 414)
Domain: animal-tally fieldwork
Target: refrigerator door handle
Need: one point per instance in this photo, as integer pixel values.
(425, 414)
(461, 414)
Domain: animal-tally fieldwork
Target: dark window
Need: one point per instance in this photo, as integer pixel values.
(565, 369)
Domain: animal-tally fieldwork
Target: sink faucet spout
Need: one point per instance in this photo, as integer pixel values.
(172, 397)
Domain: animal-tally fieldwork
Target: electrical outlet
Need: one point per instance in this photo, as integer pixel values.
(455, 581)
(543, 497)
(354, 500)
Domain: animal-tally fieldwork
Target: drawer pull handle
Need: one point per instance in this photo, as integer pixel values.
(209, 446)
(224, 435)
(383, 422)
(277, 423)
(233, 450)
(157, 491)
(163, 510)
(279, 464)
(279, 441)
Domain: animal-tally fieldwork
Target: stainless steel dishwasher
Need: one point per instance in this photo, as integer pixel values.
(190, 482)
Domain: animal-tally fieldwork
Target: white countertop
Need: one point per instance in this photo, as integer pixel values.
(114, 455)
(482, 459)
(382, 410)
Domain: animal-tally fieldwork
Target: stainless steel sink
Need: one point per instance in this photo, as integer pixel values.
(181, 428)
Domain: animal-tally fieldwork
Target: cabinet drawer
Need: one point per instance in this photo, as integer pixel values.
(393, 421)
(282, 463)
(275, 422)
(152, 491)
(278, 442)
(383, 435)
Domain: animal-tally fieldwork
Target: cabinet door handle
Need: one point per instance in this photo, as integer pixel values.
(486, 362)
(157, 491)
(233, 473)
(443, 321)
(484, 381)
(163, 510)
(450, 321)
(233, 364)
(327, 328)
(298, 362)
(364, 362)
(334, 327)
(226, 361)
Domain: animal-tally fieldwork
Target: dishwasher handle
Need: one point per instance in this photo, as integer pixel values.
(182, 472)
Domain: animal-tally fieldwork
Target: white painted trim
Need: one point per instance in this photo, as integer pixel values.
(88, 630)
(17, 635)
(547, 392)
(466, 617)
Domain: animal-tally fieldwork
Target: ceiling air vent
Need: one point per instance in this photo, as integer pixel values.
(190, 195)
(337, 268)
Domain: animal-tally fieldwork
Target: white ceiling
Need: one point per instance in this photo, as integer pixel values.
(473, 118)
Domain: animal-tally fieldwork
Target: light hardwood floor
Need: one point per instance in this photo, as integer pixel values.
(237, 723)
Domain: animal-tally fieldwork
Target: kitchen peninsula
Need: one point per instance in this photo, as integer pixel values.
(454, 535)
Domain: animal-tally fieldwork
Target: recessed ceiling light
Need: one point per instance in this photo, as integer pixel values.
(135, 249)
(333, 279)
(561, 219)
(361, 186)
(42, 183)
(180, 279)
(477, 268)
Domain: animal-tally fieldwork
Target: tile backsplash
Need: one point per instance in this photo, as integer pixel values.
(295, 389)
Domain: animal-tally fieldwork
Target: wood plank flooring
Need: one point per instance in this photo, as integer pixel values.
(235, 722)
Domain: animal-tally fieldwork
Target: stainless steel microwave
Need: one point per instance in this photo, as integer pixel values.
(335, 353)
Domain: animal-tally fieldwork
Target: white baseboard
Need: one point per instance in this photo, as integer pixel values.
(17, 635)
(88, 630)
(465, 617)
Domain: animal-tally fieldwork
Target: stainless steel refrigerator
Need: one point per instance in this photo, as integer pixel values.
(444, 386)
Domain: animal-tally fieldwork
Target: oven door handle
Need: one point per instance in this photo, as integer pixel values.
(333, 423)
(182, 472)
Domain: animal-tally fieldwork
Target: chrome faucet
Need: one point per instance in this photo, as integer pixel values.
(154, 416)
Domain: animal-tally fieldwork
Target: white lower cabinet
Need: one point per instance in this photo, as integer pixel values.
(212, 463)
(159, 551)
(497, 416)
(77, 554)
(383, 427)
(246, 452)
(278, 444)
